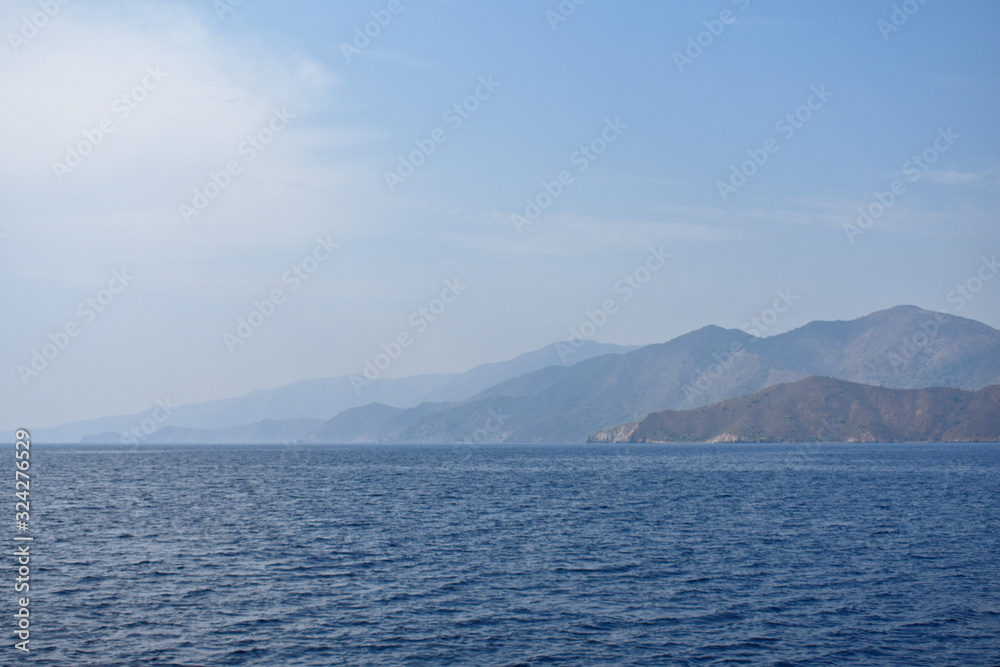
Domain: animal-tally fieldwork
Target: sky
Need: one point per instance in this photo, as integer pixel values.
(201, 199)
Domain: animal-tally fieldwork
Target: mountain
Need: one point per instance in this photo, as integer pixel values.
(903, 347)
(487, 375)
(319, 399)
(373, 423)
(560, 394)
(825, 409)
(559, 404)
(268, 431)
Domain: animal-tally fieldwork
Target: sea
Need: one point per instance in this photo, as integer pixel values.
(577, 554)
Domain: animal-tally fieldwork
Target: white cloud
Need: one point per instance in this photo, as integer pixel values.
(569, 234)
(989, 177)
(123, 200)
(209, 95)
(397, 58)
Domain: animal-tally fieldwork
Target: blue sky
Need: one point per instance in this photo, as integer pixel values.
(198, 81)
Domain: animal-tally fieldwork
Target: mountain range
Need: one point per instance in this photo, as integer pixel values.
(567, 392)
(903, 347)
(294, 407)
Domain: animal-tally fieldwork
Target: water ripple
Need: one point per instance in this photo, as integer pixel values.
(517, 555)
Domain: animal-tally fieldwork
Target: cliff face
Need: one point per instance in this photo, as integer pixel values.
(621, 433)
(825, 409)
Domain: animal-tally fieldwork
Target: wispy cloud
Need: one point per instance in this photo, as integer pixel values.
(397, 58)
(987, 178)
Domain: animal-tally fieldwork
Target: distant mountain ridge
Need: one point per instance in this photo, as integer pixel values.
(321, 399)
(265, 432)
(825, 409)
(902, 347)
(564, 394)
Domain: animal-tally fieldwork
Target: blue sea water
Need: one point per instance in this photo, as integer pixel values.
(515, 555)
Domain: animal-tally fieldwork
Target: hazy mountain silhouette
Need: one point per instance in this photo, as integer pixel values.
(903, 347)
(318, 399)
